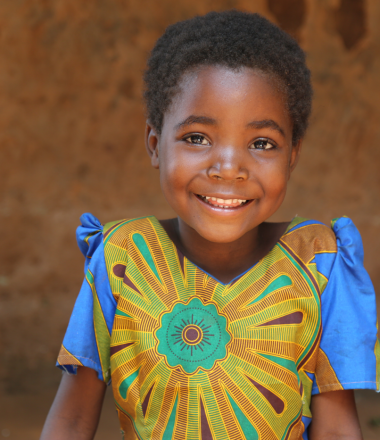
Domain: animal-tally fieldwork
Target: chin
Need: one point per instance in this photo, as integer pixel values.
(221, 235)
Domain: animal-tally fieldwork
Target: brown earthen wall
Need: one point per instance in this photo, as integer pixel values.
(71, 141)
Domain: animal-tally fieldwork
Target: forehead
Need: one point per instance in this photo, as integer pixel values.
(221, 92)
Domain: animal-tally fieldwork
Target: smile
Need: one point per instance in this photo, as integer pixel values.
(223, 203)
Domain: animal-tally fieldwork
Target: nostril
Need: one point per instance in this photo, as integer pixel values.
(228, 172)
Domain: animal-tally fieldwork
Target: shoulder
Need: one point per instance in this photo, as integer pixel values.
(120, 230)
(309, 237)
(342, 231)
(318, 244)
(93, 237)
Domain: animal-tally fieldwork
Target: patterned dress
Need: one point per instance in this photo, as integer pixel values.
(191, 358)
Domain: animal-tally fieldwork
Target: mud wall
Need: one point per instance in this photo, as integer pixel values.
(71, 141)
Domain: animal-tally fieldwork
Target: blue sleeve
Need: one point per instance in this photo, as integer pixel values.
(349, 346)
(87, 339)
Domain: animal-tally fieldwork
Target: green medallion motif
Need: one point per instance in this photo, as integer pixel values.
(193, 336)
(192, 358)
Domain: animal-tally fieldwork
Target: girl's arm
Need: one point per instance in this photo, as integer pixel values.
(76, 408)
(334, 417)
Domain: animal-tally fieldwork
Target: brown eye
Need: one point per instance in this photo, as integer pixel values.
(262, 144)
(197, 139)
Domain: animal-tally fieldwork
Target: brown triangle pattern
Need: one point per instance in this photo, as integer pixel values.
(292, 318)
(105, 233)
(144, 405)
(129, 283)
(236, 280)
(181, 259)
(277, 404)
(205, 427)
(117, 348)
(119, 270)
(66, 358)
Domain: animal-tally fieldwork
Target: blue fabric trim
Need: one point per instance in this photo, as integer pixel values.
(90, 229)
(305, 223)
(347, 386)
(310, 375)
(89, 363)
(220, 282)
(324, 262)
(306, 422)
(349, 314)
(80, 338)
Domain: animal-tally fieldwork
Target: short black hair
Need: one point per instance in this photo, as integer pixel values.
(233, 39)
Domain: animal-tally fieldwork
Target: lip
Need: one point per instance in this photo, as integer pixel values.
(224, 211)
(224, 196)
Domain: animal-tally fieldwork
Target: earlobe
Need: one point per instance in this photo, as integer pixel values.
(294, 155)
(152, 144)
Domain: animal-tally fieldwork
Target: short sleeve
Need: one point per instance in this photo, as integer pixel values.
(348, 356)
(87, 339)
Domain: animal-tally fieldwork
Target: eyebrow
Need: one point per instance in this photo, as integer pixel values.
(266, 123)
(192, 119)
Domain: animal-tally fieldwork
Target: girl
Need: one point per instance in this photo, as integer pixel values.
(217, 324)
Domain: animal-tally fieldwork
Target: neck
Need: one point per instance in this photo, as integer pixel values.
(224, 261)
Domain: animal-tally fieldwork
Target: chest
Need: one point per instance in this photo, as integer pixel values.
(193, 358)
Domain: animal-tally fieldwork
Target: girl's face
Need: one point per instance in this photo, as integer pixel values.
(225, 151)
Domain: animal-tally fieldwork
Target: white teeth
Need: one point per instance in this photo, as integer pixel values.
(221, 203)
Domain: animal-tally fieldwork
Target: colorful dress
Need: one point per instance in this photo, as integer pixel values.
(191, 358)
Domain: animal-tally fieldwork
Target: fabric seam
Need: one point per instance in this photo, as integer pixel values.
(345, 383)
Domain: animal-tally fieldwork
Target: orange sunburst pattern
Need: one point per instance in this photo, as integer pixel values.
(192, 358)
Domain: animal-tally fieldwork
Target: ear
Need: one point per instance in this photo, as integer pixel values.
(294, 156)
(152, 144)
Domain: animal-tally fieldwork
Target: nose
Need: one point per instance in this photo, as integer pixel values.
(228, 164)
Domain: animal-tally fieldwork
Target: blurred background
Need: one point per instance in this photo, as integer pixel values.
(71, 141)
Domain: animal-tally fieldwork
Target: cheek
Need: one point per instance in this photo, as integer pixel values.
(275, 172)
(273, 180)
(172, 175)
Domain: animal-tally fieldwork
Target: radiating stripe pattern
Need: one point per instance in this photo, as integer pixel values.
(192, 358)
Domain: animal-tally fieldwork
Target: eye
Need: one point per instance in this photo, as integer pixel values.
(197, 139)
(263, 144)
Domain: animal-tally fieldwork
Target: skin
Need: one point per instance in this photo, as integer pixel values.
(334, 417)
(230, 112)
(76, 408)
(226, 135)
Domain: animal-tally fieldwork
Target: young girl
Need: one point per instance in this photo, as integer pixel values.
(217, 324)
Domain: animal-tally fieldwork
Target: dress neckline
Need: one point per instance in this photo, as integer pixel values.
(163, 231)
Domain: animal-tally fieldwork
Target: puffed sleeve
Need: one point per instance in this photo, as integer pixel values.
(349, 353)
(87, 339)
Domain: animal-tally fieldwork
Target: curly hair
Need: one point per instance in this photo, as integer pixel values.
(233, 39)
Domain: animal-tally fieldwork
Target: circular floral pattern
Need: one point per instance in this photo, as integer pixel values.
(178, 372)
(192, 336)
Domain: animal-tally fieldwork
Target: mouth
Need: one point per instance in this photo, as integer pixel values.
(217, 202)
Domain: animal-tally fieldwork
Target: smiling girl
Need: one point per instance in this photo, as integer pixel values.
(218, 324)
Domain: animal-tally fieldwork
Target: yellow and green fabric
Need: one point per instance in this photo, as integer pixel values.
(191, 358)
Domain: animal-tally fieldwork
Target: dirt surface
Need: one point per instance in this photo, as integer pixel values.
(71, 141)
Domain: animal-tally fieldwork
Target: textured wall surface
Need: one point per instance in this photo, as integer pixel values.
(71, 141)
